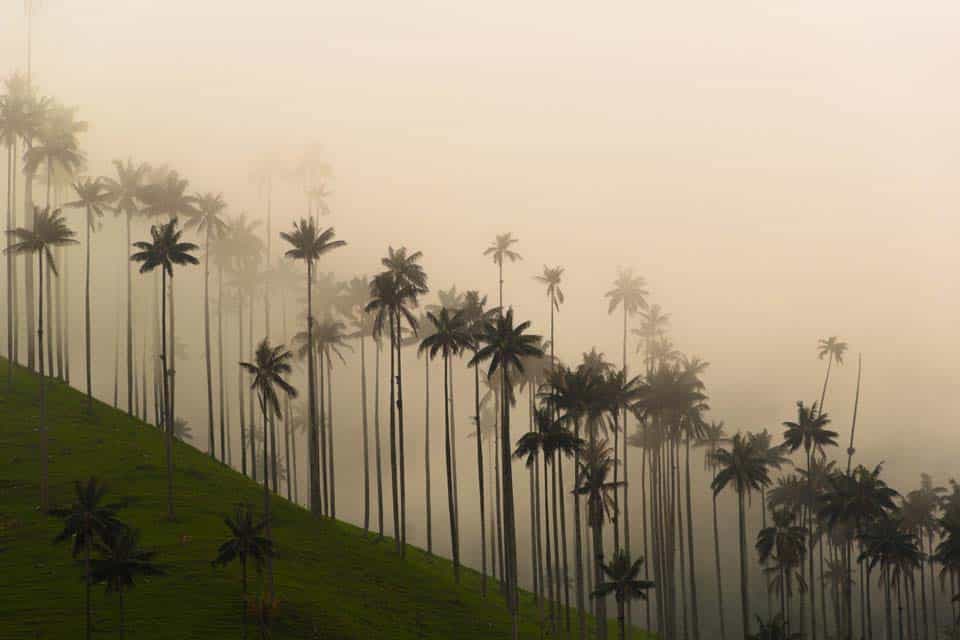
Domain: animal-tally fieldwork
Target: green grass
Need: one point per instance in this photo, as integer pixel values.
(333, 580)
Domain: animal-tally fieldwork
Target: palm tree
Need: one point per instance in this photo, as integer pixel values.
(886, 543)
(629, 291)
(653, 324)
(85, 522)
(92, 196)
(165, 250)
(49, 230)
(270, 369)
(125, 191)
(810, 432)
(330, 339)
(596, 465)
(246, 542)
(783, 541)
(451, 334)
(308, 245)
(500, 249)
(712, 437)
(122, 562)
(833, 349)
(353, 302)
(623, 581)
(207, 221)
(409, 275)
(504, 345)
(745, 466)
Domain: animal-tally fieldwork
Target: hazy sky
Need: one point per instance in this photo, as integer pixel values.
(779, 174)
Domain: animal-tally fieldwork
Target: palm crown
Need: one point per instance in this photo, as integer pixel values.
(93, 196)
(551, 278)
(206, 218)
(831, 347)
(126, 189)
(628, 290)
(49, 230)
(269, 370)
(500, 249)
(164, 249)
(809, 430)
(308, 242)
(505, 344)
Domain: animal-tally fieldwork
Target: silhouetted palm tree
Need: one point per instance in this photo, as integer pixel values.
(269, 370)
(245, 543)
(504, 345)
(500, 250)
(887, 544)
(744, 466)
(122, 561)
(712, 437)
(165, 250)
(451, 334)
(207, 221)
(308, 245)
(810, 432)
(784, 541)
(125, 191)
(49, 231)
(623, 581)
(833, 349)
(86, 522)
(653, 324)
(93, 197)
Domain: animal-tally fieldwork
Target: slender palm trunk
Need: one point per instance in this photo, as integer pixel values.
(11, 294)
(398, 540)
(86, 316)
(240, 408)
(243, 603)
(223, 425)
(402, 439)
(376, 435)
(744, 585)
(324, 466)
(206, 339)
(810, 550)
(543, 497)
(129, 282)
(314, 461)
(426, 446)
(597, 537)
(826, 381)
(454, 542)
(44, 435)
(621, 620)
(644, 456)
(483, 525)
(168, 417)
(251, 413)
(694, 605)
(578, 547)
(266, 493)
(509, 513)
(28, 272)
(86, 588)
(716, 555)
(558, 490)
(366, 434)
(331, 460)
(933, 584)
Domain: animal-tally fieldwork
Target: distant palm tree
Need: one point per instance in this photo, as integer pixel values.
(833, 349)
(451, 335)
(92, 196)
(712, 437)
(269, 370)
(504, 345)
(49, 231)
(623, 581)
(207, 221)
(245, 543)
(86, 522)
(887, 544)
(810, 432)
(122, 561)
(500, 250)
(125, 191)
(785, 542)
(653, 324)
(308, 244)
(744, 466)
(629, 291)
(165, 250)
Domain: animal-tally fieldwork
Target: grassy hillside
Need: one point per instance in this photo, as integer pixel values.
(332, 579)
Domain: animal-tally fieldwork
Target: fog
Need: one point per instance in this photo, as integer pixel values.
(778, 175)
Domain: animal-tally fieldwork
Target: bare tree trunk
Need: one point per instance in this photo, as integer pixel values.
(126, 267)
(314, 461)
(168, 417)
(86, 317)
(366, 435)
(376, 435)
(402, 439)
(578, 547)
(454, 543)
(243, 425)
(206, 339)
(44, 435)
(483, 525)
(426, 445)
(398, 540)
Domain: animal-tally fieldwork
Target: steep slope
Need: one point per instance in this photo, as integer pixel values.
(333, 581)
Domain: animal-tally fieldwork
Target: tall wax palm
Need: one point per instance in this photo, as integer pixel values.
(330, 339)
(476, 315)
(308, 244)
(500, 250)
(49, 231)
(596, 466)
(165, 250)
(125, 191)
(629, 292)
(86, 522)
(785, 542)
(744, 466)
(93, 197)
(832, 349)
(504, 345)
(269, 371)
(712, 437)
(391, 298)
(208, 221)
(122, 561)
(353, 302)
(246, 542)
(449, 337)
(653, 325)
(411, 279)
(810, 432)
(622, 579)
(168, 197)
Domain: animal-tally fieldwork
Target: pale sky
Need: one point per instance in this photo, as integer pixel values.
(779, 174)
